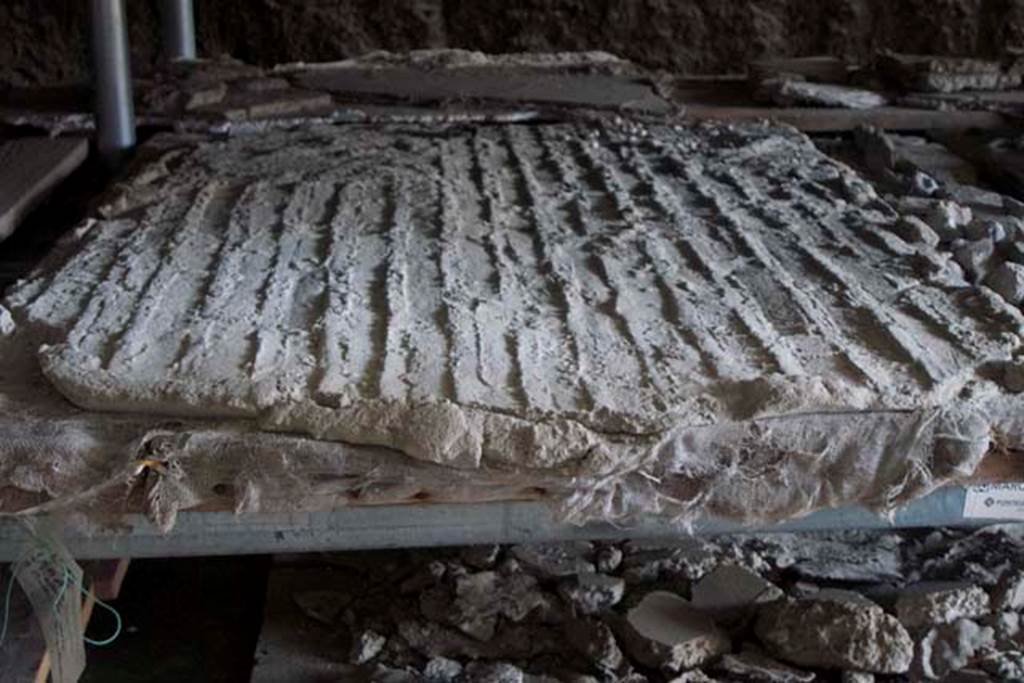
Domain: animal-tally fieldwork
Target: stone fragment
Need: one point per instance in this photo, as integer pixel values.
(482, 597)
(480, 556)
(950, 647)
(1007, 625)
(493, 672)
(729, 592)
(751, 665)
(607, 559)
(592, 593)
(848, 556)
(595, 642)
(840, 595)
(1013, 377)
(1009, 592)
(985, 228)
(366, 646)
(926, 604)
(948, 219)
(665, 632)
(387, 674)
(788, 91)
(877, 149)
(1013, 206)
(322, 605)
(923, 184)
(1007, 280)
(1005, 666)
(689, 559)
(424, 577)
(913, 230)
(1013, 250)
(695, 676)
(835, 635)
(555, 560)
(442, 670)
(969, 676)
(975, 257)
(857, 677)
(7, 324)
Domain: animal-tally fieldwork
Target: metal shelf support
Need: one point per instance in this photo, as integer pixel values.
(178, 29)
(115, 113)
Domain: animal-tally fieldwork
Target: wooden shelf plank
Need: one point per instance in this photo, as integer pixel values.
(30, 169)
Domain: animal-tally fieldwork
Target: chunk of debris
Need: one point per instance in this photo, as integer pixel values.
(482, 597)
(751, 665)
(607, 559)
(424, 577)
(841, 595)
(913, 230)
(387, 674)
(665, 632)
(1007, 280)
(789, 91)
(689, 559)
(1009, 592)
(950, 647)
(857, 677)
(835, 635)
(1005, 666)
(948, 219)
(1007, 625)
(929, 73)
(366, 646)
(926, 604)
(975, 257)
(591, 593)
(923, 184)
(695, 676)
(480, 556)
(849, 556)
(555, 560)
(322, 605)
(730, 591)
(877, 149)
(596, 642)
(493, 672)
(442, 670)
(985, 228)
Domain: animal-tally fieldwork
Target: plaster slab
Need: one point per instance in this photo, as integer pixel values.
(719, 301)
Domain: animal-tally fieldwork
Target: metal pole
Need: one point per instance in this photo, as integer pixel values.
(178, 29)
(115, 114)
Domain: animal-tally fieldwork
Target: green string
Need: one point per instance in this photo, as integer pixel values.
(56, 604)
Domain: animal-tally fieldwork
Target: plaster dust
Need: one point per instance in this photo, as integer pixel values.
(646, 307)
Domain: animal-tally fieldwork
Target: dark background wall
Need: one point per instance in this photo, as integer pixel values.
(45, 41)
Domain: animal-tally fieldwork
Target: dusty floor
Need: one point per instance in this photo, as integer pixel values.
(47, 42)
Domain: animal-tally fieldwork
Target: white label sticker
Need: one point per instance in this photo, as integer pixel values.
(995, 501)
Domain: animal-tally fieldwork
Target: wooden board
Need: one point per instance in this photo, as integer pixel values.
(30, 168)
(816, 120)
(24, 648)
(521, 86)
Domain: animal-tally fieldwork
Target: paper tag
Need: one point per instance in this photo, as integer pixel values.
(995, 501)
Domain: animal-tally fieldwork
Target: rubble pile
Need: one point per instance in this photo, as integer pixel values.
(851, 606)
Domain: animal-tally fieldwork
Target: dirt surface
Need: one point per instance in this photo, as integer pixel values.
(48, 43)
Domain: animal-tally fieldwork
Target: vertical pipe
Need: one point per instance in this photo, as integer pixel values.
(115, 114)
(178, 29)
